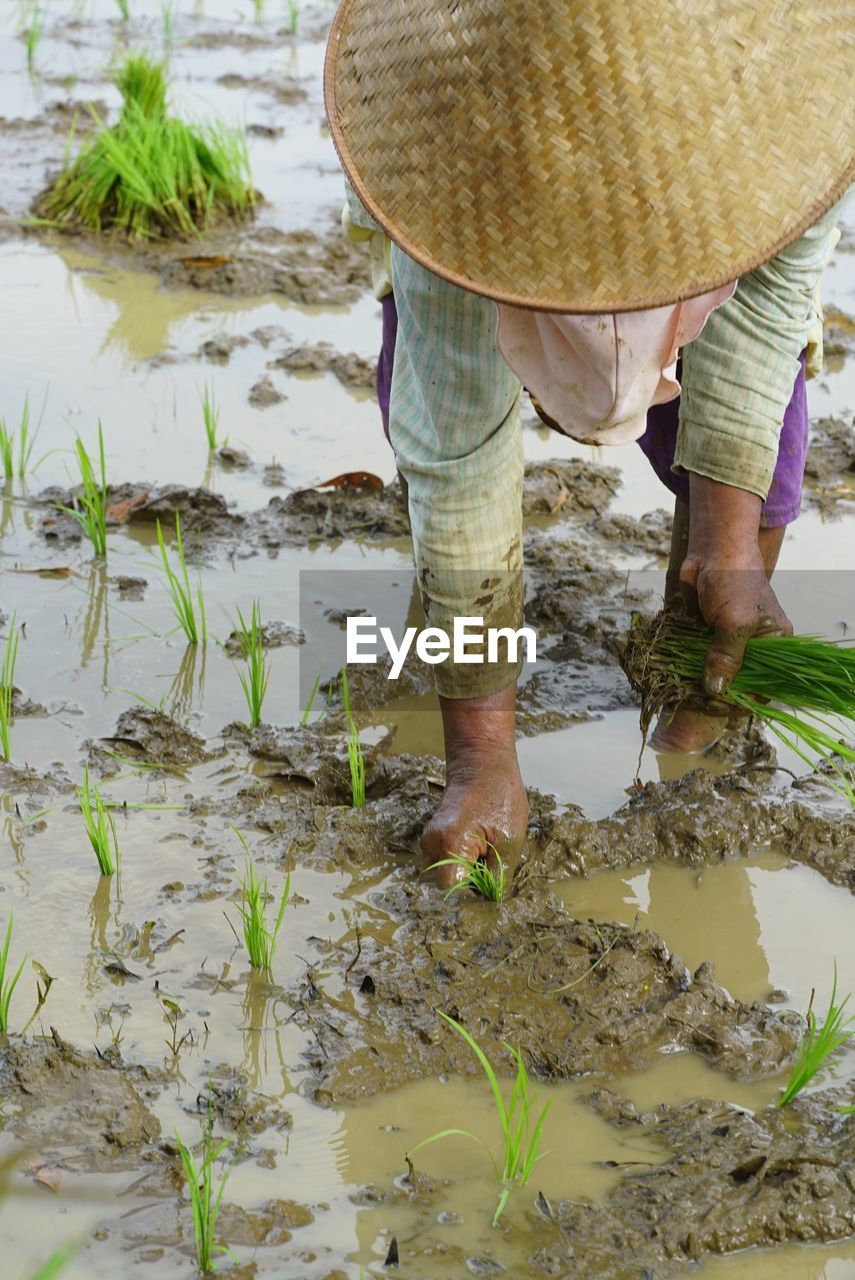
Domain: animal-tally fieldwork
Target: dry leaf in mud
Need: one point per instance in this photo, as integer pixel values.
(353, 480)
(48, 1177)
(46, 571)
(201, 260)
(120, 511)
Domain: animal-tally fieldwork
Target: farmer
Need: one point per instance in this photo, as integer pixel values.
(576, 192)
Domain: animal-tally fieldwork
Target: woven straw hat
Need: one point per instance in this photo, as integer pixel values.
(593, 155)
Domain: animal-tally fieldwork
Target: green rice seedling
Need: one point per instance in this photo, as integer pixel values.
(210, 416)
(355, 757)
(293, 14)
(189, 613)
(124, 9)
(794, 684)
(521, 1133)
(260, 941)
(307, 710)
(257, 678)
(818, 1044)
(100, 827)
(33, 34)
(57, 1262)
(90, 508)
(205, 1200)
(7, 985)
(150, 174)
(7, 450)
(479, 876)
(7, 679)
(167, 12)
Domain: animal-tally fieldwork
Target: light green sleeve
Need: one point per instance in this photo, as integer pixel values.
(738, 374)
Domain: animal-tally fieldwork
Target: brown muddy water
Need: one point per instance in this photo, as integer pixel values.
(657, 945)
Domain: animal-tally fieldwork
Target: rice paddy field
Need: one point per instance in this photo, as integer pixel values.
(219, 958)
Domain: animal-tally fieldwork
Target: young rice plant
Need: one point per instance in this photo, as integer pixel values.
(355, 757)
(90, 507)
(100, 826)
(210, 417)
(204, 1198)
(7, 984)
(257, 678)
(521, 1133)
(189, 613)
(794, 684)
(479, 876)
(7, 679)
(151, 175)
(260, 940)
(33, 34)
(818, 1044)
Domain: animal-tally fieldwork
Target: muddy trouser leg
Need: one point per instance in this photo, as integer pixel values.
(455, 428)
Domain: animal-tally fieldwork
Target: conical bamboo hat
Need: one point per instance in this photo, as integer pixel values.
(593, 155)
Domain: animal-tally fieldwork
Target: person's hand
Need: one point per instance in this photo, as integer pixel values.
(724, 580)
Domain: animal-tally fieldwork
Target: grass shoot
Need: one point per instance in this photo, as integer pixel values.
(293, 14)
(189, 611)
(100, 826)
(150, 174)
(260, 940)
(205, 1199)
(254, 683)
(521, 1134)
(7, 985)
(818, 1044)
(210, 417)
(7, 679)
(479, 876)
(17, 462)
(307, 710)
(33, 34)
(795, 684)
(355, 756)
(90, 506)
(124, 9)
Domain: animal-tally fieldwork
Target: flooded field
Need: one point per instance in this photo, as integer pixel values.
(660, 940)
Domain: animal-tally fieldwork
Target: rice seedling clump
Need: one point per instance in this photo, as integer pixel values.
(802, 687)
(151, 174)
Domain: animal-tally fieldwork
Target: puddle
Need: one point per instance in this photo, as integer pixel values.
(762, 922)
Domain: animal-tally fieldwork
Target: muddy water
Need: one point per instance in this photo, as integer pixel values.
(319, 1185)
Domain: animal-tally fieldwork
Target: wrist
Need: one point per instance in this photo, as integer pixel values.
(724, 522)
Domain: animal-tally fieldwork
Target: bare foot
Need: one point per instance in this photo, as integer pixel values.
(484, 811)
(687, 732)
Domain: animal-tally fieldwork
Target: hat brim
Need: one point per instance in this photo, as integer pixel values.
(589, 156)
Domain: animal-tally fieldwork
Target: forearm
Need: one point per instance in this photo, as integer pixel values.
(738, 374)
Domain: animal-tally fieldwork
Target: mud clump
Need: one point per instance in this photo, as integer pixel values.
(335, 514)
(830, 466)
(81, 1108)
(736, 1180)
(568, 486)
(274, 635)
(158, 739)
(350, 369)
(703, 819)
(579, 997)
(263, 394)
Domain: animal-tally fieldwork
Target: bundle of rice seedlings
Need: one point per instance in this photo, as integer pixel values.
(151, 174)
(797, 685)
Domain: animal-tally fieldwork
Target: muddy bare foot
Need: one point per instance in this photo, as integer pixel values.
(687, 732)
(484, 813)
